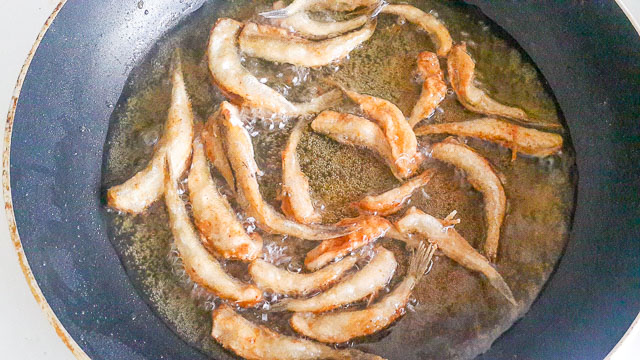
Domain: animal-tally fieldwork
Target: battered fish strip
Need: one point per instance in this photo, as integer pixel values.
(368, 281)
(371, 229)
(454, 246)
(392, 201)
(483, 178)
(255, 342)
(396, 129)
(461, 70)
(199, 264)
(433, 87)
(357, 131)
(240, 151)
(296, 195)
(214, 149)
(279, 281)
(517, 138)
(277, 44)
(342, 326)
(145, 187)
(436, 30)
(303, 25)
(334, 5)
(241, 87)
(213, 215)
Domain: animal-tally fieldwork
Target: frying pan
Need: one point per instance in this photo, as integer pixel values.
(588, 52)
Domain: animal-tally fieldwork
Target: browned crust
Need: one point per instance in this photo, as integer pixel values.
(364, 327)
(8, 202)
(378, 205)
(371, 229)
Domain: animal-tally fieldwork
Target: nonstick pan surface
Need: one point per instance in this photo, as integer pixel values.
(588, 52)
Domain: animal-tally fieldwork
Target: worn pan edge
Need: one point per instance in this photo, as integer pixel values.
(636, 323)
(15, 237)
(62, 333)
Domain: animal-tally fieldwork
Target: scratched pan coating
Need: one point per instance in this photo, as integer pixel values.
(586, 52)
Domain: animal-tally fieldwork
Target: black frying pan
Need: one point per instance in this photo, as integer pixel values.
(588, 52)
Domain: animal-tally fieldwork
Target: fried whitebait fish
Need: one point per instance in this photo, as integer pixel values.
(342, 326)
(145, 187)
(483, 178)
(214, 149)
(517, 138)
(277, 44)
(436, 30)
(302, 24)
(356, 131)
(243, 88)
(433, 87)
(296, 194)
(393, 200)
(241, 156)
(453, 245)
(370, 229)
(213, 215)
(367, 282)
(199, 264)
(279, 281)
(396, 129)
(255, 342)
(334, 5)
(461, 68)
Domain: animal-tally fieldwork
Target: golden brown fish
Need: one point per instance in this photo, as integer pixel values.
(342, 326)
(302, 5)
(243, 88)
(214, 149)
(366, 282)
(240, 152)
(392, 201)
(296, 194)
(145, 187)
(461, 70)
(302, 24)
(483, 178)
(277, 44)
(396, 129)
(438, 32)
(454, 246)
(255, 342)
(357, 131)
(199, 264)
(433, 87)
(213, 215)
(279, 281)
(370, 229)
(517, 138)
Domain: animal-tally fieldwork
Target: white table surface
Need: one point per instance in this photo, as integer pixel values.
(24, 331)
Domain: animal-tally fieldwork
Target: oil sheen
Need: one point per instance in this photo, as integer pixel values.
(454, 313)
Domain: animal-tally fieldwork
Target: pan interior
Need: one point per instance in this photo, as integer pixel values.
(455, 313)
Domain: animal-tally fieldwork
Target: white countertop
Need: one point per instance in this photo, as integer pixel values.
(24, 331)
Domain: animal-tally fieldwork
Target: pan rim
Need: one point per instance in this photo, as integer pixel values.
(61, 332)
(23, 262)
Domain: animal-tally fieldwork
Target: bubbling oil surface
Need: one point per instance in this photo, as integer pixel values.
(454, 313)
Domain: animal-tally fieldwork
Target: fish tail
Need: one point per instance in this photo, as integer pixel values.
(281, 306)
(276, 14)
(377, 8)
(176, 62)
(320, 103)
(421, 261)
(498, 282)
